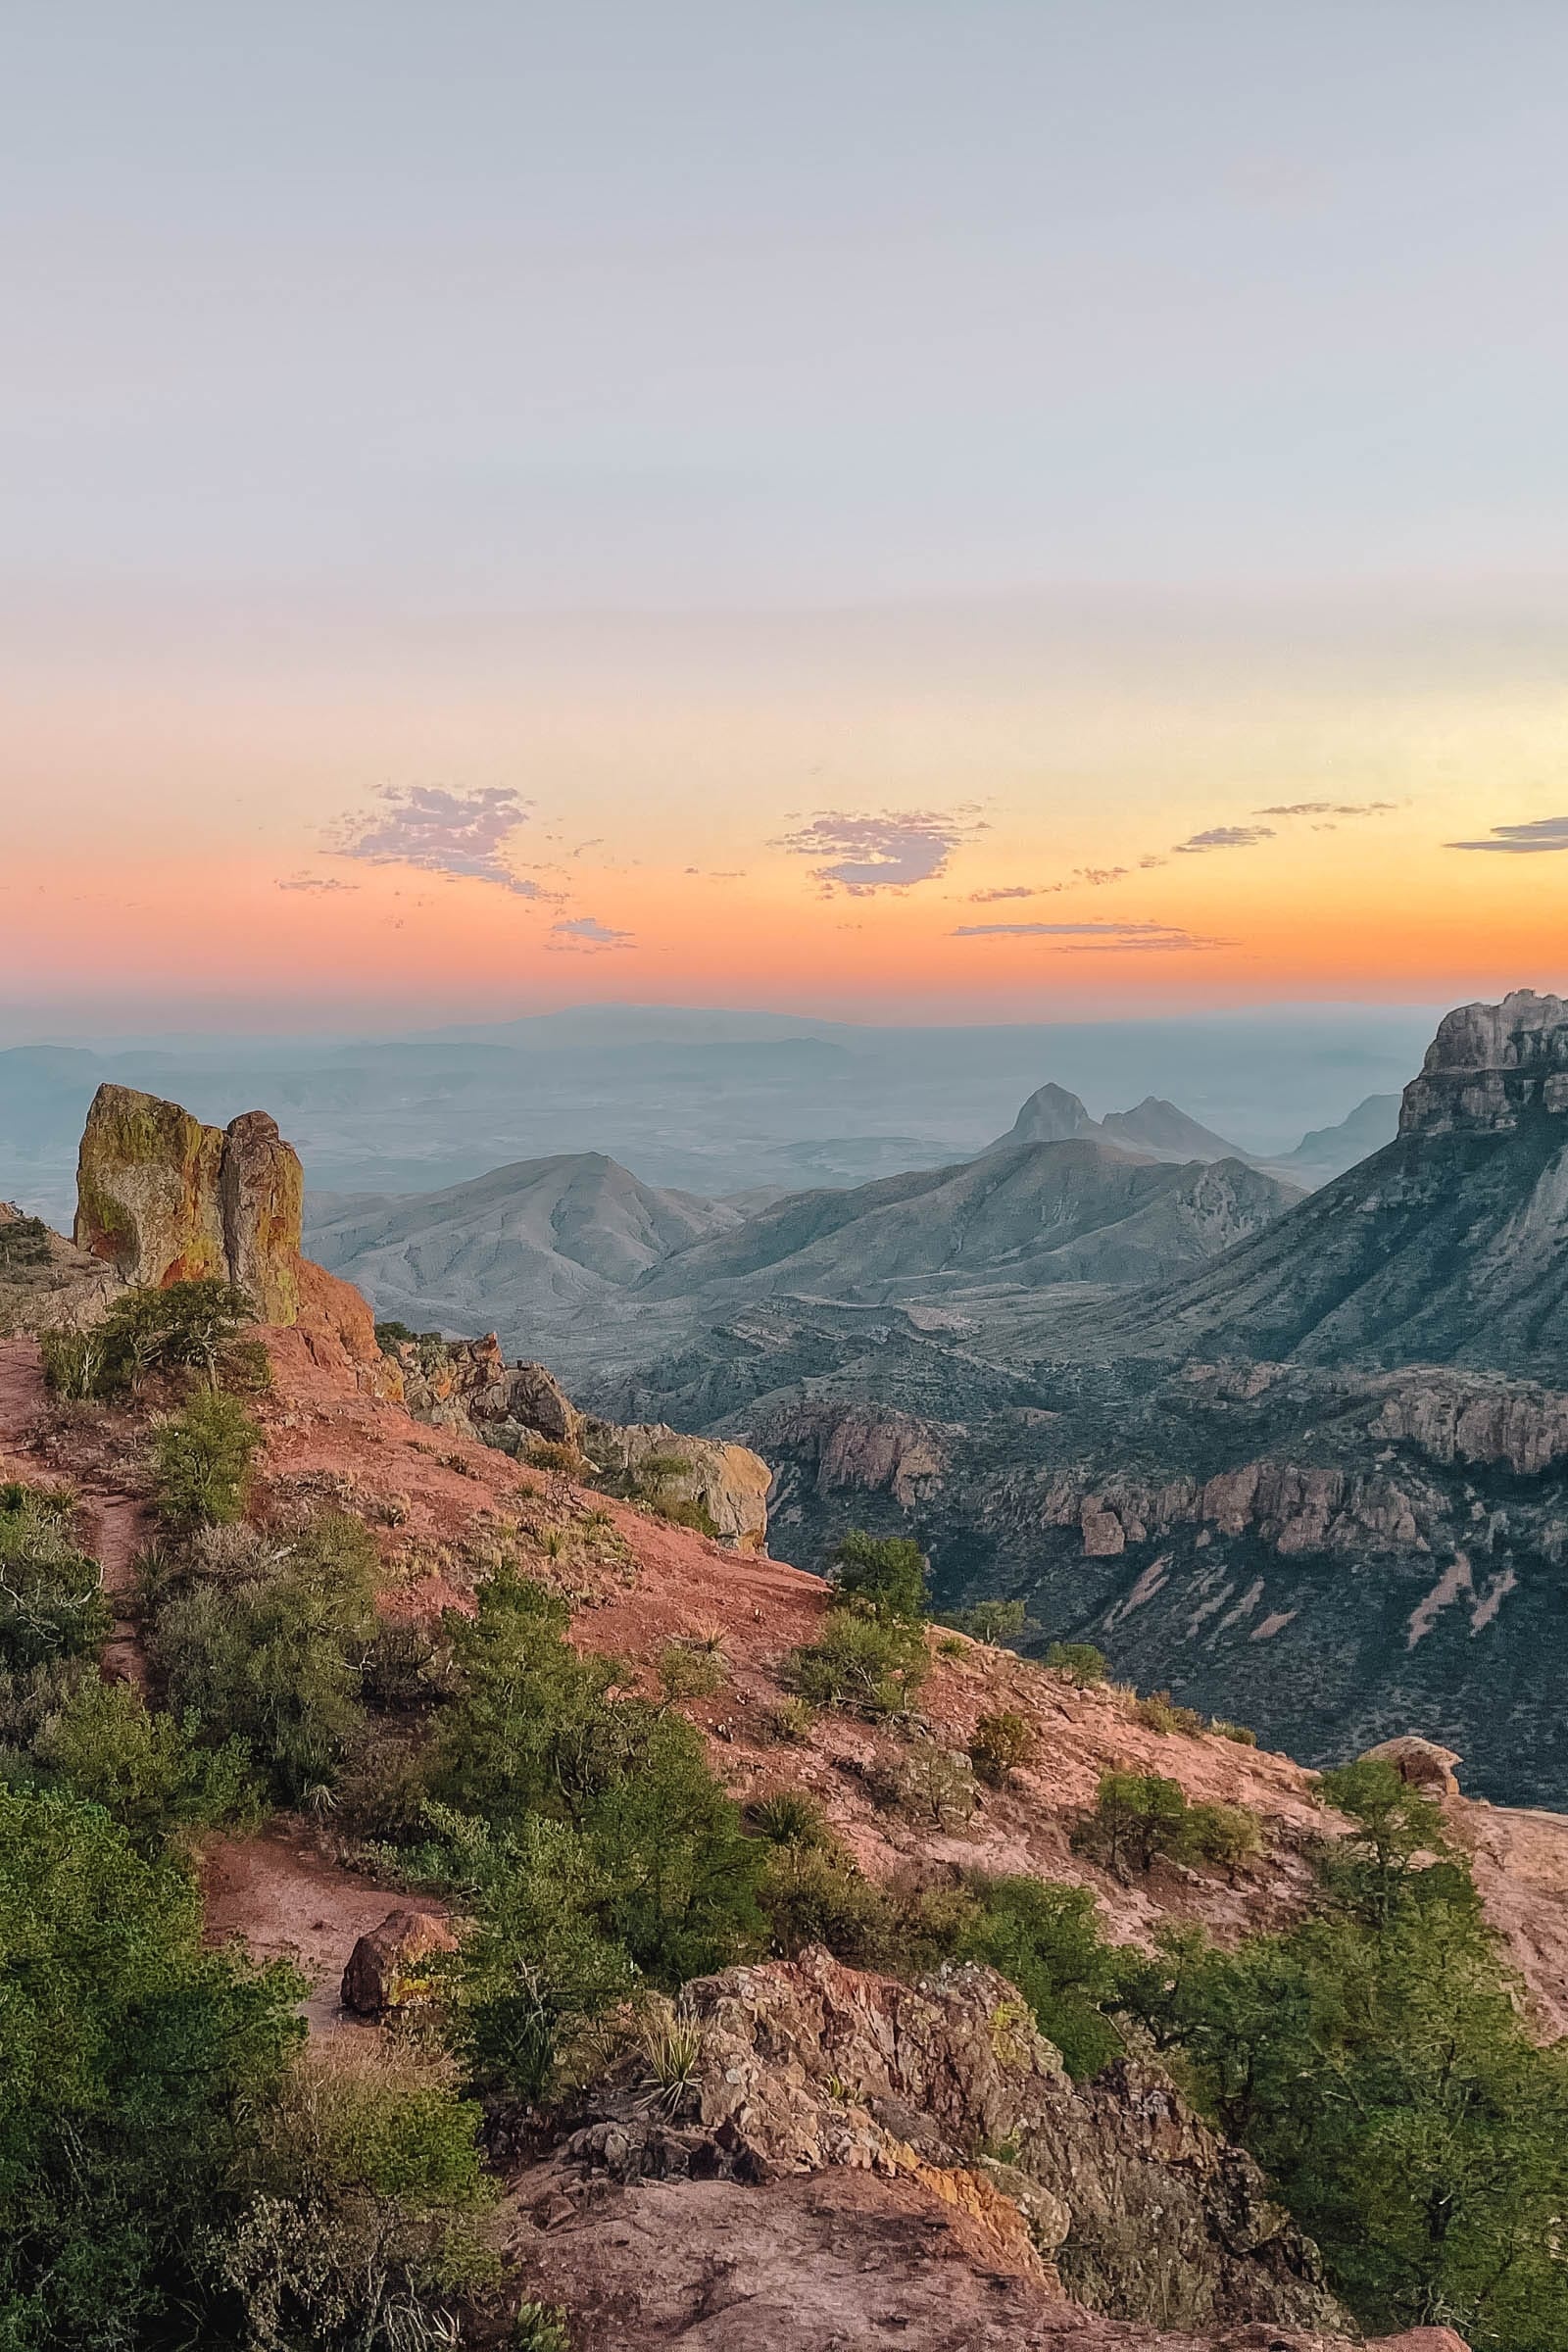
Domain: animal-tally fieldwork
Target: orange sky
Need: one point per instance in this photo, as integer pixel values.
(192, 824)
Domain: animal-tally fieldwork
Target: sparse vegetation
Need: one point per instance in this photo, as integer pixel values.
(1158, 1713)
(884, 1575)
(870, 1665)
(51, 1593)
(203, 1457)
(189, 1326)
(24, 1243)
(1002, 1742)
(685, 1672)
(994, 1621)
(1078, 1663)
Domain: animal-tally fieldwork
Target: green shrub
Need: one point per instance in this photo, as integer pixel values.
(687, 1673)
(203, 1455)
(540, 2327)
(818, 1895)
(73, 1364)
(51, 1597)
(148, 1770)
(869, 1665)
(1002, 1742)
(1238, 1731)
(885, 1574)
(993, 1621)
(1158, 1713)
(129, 2060)
(24, 1242)
(788, 1817)
(265, 1642)
(363, 2197)
(933, 1784)
(1078, 1663)
(191, 1326)
(1229, 1836)
(1138, 1817)
(1047, 1939)
(792, 1720)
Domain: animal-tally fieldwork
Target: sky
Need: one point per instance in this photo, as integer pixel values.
(892, 510)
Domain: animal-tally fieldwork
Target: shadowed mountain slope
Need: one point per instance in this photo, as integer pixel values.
(1034, 1214)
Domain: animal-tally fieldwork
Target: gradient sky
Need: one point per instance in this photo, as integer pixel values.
(922, 511)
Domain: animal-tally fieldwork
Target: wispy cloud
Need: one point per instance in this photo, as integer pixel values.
(890, 852)
(586, 935)
(1095, 938)
(1536, 839)
(456, 833)
(313, 882)
(1015, 890)
(1222, 837)
(1329, 809)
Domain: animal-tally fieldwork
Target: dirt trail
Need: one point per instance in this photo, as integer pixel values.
(277, 1891)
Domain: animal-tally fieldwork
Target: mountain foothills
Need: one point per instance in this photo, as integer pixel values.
(457, 1890)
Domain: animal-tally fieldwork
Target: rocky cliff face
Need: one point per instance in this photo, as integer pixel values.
(1491, 1066)
(163, 1199)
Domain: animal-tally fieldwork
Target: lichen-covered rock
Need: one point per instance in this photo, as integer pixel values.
(727, 1483)
(809, 2066)
(390, 1967)
(162, 1199)
(262, 1195)
(148, 1198)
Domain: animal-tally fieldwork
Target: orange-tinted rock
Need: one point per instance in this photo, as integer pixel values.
(163, 1199)
(1420, 1763)
(147, 1190)
(389, 1968)
(261, 1193)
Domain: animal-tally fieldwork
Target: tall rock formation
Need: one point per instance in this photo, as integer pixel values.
(1490, 1067)
(163, 1199)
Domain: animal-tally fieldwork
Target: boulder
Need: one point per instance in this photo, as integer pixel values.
(162, 1199)
(388, 1969)
(1421, 1763)
(727, 1483)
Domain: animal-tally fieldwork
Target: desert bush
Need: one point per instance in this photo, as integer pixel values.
(870, 1665)
(148, 1770)
(790, 1721)
(539, 2328)
(24, 1242)
(203, 1457)
(1002, 1742)
(51, 1593)
(266, 1643)
(1228, 1835)
(993, 1621)
(882, 1574)
(688, 1673)
(363, 2200)
(1158, 1713)
(1137, 1817)
(1237, 1732)
(932, 1784)
(818, 1895)
(671, 2049)
(788, 1817)
(1078, 1663)
(128, 2061)
(1047, 1939)
(72, 1364)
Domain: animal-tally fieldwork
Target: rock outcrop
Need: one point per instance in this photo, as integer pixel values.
(163, 1199)
(808, 2066)
(469, 1385)
(1491, 1066)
